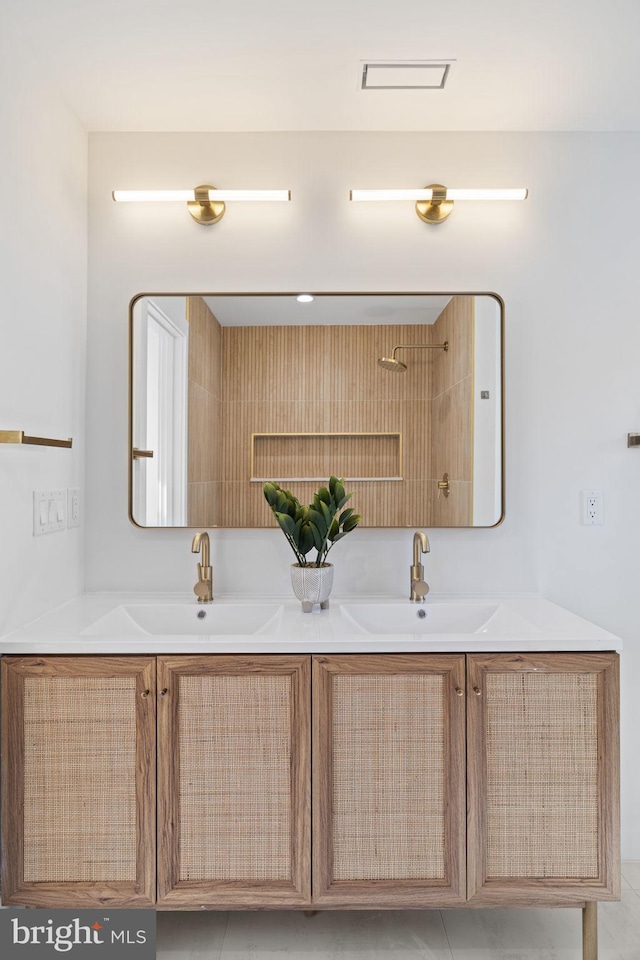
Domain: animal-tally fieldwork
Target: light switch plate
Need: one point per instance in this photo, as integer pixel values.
(49, 511)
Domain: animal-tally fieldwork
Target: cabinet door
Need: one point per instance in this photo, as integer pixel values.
(543, 778)
(233, 781)
(78, 781)
(389, 780)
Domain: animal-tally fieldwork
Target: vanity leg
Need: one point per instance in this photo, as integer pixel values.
(307, 606)
(590, 931)
(310, 913)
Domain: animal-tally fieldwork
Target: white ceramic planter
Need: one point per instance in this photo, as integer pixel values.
(312, 585)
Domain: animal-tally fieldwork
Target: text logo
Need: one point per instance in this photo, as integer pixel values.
(83, 934)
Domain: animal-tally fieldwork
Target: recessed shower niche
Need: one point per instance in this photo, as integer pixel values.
(401, 394)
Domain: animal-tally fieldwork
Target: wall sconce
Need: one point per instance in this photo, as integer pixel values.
(206, 204)
(435, 202)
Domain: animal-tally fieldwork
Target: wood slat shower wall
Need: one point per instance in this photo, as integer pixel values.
(205, 416)
(319, 380)
(452, 414)
(326, 379)
(318, 455)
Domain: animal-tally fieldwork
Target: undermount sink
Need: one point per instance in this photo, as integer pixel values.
(187, 619)
(427, 618)
(153, 623)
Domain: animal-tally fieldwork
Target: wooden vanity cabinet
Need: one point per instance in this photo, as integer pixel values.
(388, 780)
(78, 781)
(543, 780)
(233, 781)
(437, 779)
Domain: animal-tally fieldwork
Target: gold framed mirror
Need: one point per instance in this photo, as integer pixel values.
(399, 393)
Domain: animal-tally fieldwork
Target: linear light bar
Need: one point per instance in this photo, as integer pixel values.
(452, 193)
(435, 202)
(189, 196)
(205, 203)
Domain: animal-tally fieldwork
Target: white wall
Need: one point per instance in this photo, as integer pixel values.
(43, 278)
(565, 267)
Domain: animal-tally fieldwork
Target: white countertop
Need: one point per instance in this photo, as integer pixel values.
(99, 624)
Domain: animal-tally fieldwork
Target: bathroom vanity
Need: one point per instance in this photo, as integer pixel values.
(313, 762)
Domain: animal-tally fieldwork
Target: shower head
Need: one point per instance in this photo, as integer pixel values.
(397, 366)
(390, 363)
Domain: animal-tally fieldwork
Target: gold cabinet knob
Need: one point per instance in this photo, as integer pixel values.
(145, 694)
(477, 691)
(459, 692)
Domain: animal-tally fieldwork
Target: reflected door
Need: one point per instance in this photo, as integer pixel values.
(160, 414)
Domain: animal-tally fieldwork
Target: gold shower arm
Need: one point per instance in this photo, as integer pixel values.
(420, 346)
(19, 436)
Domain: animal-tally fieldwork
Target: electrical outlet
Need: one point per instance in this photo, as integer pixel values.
(592, 508)
(73, 506)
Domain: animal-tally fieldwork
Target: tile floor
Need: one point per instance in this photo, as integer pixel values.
(405, 935)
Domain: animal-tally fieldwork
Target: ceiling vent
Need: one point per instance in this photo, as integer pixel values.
(405, 74)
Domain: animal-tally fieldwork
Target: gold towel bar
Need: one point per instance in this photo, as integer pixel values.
(19, 436)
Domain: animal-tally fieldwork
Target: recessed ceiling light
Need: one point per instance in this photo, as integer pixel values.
(304, 298)
(405, 74)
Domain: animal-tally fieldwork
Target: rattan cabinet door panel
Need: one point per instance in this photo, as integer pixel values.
(78, 781)
(388, 780)
(543, 777)
(234, 811)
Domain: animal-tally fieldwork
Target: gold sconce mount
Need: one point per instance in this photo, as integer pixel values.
(202, 209)
(438, 208)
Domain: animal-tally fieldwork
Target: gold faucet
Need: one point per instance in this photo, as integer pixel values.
(204, 587)
(419, 587)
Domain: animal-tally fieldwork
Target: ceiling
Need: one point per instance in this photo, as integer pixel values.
(326, 309)
(258, 65)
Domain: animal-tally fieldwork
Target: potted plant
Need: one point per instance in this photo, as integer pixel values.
(317, 526)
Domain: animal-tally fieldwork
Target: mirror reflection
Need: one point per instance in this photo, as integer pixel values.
(400, 394)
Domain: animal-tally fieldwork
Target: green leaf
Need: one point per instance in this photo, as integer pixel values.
(306, 540)
(281, 502)
(318, 520)
(333, 530)
(338, 492)
(324, 495)
(270, 491)
(352, 523)
(287, 524)
(339, 536)
(344, 516)
(318, 537)
(327, 513)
